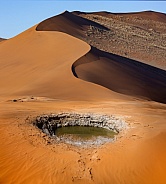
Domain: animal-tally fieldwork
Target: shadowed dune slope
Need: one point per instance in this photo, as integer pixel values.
(67, 23)
(122, 75)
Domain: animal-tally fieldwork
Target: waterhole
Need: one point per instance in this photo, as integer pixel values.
(80, 129)
(85, 133)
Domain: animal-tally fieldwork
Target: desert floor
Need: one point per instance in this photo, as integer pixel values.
(137, 156)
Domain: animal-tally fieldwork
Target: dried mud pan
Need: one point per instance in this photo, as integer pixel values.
(49, 124)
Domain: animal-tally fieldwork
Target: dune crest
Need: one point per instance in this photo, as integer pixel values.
(67, 23)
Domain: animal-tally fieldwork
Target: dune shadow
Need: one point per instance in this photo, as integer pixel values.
(122, 75)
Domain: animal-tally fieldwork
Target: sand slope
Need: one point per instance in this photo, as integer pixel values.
(39, 64)
(122, 75)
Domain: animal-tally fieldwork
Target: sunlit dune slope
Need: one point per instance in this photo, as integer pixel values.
(39, 63)
(122, 75)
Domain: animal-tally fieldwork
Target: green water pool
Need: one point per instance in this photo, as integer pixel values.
(84, 132)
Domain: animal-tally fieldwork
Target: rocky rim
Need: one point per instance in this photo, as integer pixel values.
(49, 123)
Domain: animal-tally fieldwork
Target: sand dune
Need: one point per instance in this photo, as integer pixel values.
(122, 75)
(41, 64)
(50, 70)
(132, 77)
(122, 35)
(67, 23)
